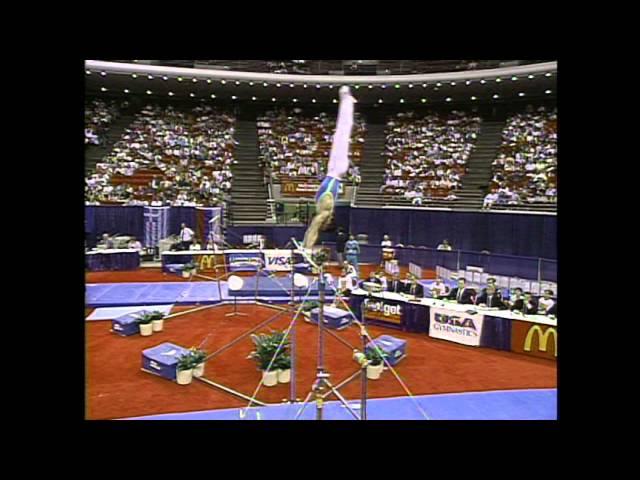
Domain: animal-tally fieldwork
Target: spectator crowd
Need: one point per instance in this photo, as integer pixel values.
(293, 145)
(98, 116)
(426, 156)
(168, 157)
(525, 171)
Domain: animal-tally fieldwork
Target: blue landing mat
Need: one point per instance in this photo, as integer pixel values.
(538, 404)
(179, 293)
(273, 287)
(127, 294)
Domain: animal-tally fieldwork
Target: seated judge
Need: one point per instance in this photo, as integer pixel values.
(545, 303)
(383, 279)
(461, 293)
(371, 279)
(526, 305)
(491, 282)
(553, 310)
(195, 245)
(414, 288)
(439, 288)
(490, 298)
(395, 285)
(516, 300)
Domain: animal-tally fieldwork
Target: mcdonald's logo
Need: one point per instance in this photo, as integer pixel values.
(543, 339)
(290, 187)
(206, 261)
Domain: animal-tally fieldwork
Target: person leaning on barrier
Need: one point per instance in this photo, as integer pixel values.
(461, 293)
(445, 246)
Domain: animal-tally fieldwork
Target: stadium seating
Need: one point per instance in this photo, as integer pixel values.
(98, 116)
(168, 157)
(426, 156)
(297, 146)
(525, 171)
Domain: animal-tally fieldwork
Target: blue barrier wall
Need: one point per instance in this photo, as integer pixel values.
(499, 233)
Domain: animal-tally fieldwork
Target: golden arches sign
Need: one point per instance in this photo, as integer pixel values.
(543, 339)
(206, 262)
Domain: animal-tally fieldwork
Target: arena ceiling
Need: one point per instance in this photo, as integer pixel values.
(242, 80)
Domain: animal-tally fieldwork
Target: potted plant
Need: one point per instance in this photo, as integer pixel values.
(188, 269)
(157, 321)
(376, 362)
(199, 357)
(144, 324)
(283, 363)
(266, 345)
(308, 306)
(184, 369)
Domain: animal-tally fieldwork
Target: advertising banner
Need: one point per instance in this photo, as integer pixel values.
(534, 339)
(277, 260)
(381, 310)
(459, 327)
(244, 262)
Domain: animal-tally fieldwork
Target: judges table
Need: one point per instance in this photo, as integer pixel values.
(112, 259)
(473, 325)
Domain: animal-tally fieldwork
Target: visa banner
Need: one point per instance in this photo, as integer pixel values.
(458, 327)
(277, 260)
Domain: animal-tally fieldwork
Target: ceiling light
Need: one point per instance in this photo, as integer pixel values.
(237, 82)
(547, 74)
(233, 97)
(424, 85)
(313, 100)
(171, 94)
(397, 85)
(253, 98)
(424, 100)
(264, 84)
(483, 81)
(514, 78)
(402, 100)
(335, 101)
(273, 99)
(438, 84)
(295, 100)
(103, 89)
(531, 76)
(291, 85)
(496, 96)
(379, 100)
(448, 99)
(468, 82)
(278, 85)
(133, 75)
(498, 80)
(473, 98)
(126, 90)
(223, 82)
(411, 85)
(148, 92)
(213, 95)
(209, 81)
(104, 74)
(165, 78)
(88, 72)
(150, 77)
(370, 86)
(251, 84)
(453, 84)
(192, 94)
(521, 94)
(179, 79)
(547, 92)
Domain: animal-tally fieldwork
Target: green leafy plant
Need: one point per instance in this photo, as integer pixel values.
(283, 362)
(266, 345)
(310, 305)
(189, 267)
(198, 355)
(156, 315)
(145, 318)
(375, 356)
(185, 362)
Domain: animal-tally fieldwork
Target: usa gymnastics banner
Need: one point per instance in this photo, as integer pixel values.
(277, 260)
(458, 327)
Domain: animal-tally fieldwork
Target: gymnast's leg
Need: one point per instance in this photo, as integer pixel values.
(339, 156)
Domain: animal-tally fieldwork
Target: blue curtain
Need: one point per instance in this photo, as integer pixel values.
(113, 219)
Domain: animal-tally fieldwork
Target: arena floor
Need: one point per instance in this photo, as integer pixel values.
(117, 388)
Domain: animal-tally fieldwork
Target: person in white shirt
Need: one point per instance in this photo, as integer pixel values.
(445, 245)
(195, 245)
(546, 302)
(439, 288)
(135, 244)
(186, 236)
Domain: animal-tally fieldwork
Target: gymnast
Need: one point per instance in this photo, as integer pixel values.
(338, 165)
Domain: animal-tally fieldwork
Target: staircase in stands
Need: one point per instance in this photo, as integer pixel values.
(249, 196)
(94, 153)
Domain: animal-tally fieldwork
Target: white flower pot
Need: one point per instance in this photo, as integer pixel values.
(284, 376)
(374, 371)
(184, 377)
(199, 370)
(146, 329)
(186, 274)
(269, 379)
(157, 325)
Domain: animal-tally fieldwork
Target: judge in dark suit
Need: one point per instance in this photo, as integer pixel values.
(491, 282)
(414, 288)
(372, 279)
(395, 285)
(490, 298)
(461, 293)
(526, 305)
